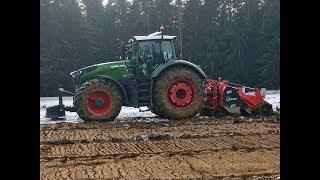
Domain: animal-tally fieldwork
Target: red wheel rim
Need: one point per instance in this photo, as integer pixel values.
(180, 93)
(99, 103)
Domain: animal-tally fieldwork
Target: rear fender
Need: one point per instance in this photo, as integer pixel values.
(169, 64)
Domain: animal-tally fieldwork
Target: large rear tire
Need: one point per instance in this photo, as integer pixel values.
(178, 93)
(97, 101)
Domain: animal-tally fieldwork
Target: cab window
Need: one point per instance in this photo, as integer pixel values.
(150, 50)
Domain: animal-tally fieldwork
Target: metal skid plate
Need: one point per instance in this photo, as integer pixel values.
(55, 112)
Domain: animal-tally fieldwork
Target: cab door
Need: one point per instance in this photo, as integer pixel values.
(149, 56)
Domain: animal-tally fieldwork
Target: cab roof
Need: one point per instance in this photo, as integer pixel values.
(153, 37)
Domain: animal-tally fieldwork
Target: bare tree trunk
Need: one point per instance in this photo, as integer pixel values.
(180, 30)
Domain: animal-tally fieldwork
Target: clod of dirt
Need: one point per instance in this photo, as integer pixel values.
(188, 153)
(250, 149)
(234, 148)
(115, 140)
(163, 154)
(64, 160)
(237, 121)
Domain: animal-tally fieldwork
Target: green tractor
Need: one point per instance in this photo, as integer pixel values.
(148, 74)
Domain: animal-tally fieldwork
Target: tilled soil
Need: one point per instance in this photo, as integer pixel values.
(225, 148)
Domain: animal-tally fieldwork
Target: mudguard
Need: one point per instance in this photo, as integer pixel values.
(119, 86)
(164, 66)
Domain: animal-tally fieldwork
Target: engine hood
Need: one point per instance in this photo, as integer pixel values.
(95, 66)
(87, 69)
(114, 69)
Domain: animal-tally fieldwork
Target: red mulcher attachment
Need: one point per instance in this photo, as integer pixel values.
(226, 98)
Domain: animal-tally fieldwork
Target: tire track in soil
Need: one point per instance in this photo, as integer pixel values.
(175, 132)
(192, 149)
(205, 165)
(147, 147)
(147, 125)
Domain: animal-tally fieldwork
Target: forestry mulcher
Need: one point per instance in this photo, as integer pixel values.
(150, 74)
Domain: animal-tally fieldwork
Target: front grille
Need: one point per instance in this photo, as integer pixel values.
(76, 75)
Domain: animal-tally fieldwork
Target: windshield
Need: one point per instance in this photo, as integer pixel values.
(150, 50)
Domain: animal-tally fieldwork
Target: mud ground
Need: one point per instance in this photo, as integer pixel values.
(199, 148)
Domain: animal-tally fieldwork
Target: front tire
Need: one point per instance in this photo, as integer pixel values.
(97, 101)
(179, 93)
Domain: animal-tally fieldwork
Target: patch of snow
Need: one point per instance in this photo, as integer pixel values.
(127, 114)
(273, 97)
(142, 138)
(71, 117)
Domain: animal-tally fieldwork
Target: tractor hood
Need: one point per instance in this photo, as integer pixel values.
(87, 69)
(84, 70)
(114, 69)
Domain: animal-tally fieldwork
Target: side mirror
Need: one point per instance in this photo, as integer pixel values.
(129, 54)
(165, 56)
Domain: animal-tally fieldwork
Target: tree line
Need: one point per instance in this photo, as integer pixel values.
(237, 40)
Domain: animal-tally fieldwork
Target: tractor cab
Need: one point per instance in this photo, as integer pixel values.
(147, 52)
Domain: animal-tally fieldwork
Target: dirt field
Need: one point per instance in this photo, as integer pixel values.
(226, 148)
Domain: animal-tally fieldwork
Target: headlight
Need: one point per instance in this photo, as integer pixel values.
(77, 74)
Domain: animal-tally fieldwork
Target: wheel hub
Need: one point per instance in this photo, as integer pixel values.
(99, 103)
(180, 93)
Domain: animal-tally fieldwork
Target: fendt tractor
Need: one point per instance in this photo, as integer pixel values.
(150, 74)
